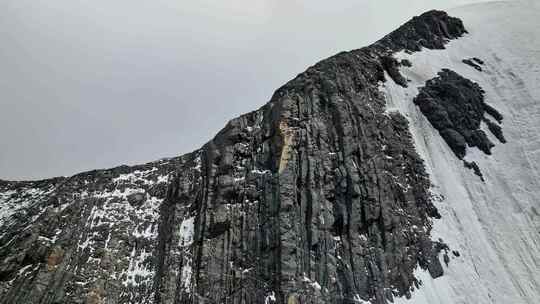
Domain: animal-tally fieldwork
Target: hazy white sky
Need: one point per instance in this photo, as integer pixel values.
(88, 84)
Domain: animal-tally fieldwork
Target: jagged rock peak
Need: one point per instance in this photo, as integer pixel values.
(431, 30)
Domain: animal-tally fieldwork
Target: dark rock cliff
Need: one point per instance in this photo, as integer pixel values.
(317, 197)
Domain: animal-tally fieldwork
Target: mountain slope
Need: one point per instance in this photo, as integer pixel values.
(495, 224)
(322, 195)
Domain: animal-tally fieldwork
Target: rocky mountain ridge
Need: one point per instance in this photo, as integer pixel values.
(317, 197)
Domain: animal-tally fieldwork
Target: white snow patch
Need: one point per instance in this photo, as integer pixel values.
(187, 230)
(313, 284)
(359, 300)
(270, 298)
(137, 176)
(261, 172)
(198, 163)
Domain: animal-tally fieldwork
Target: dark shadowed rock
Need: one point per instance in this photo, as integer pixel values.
(474, 166)
(472, 63)
(406, 63)
(317, 197)
(391, 66)
(478, 61)
(495, 129)
(430, 30)
(455, 140)
(136, 199)
(455, 107)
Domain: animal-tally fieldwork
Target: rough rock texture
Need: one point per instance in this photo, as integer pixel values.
(455, 107)
(317, 197)
(85, 238)
(391, 66)
(430, 30)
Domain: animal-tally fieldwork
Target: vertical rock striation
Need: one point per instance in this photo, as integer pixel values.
(317, 197)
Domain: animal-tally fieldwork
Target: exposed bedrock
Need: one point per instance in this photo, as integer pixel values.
(317, 197)
(455, 106)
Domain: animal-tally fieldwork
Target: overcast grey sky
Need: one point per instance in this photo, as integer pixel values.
(88, 84)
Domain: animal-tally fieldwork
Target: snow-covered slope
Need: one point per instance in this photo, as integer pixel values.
(495, 225)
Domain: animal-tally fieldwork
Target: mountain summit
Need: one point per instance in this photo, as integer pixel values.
(405, 171)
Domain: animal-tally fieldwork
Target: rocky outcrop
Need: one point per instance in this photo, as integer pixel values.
(317, 197)
(474, 62)
(90, 238)
(455, 106)
(431, 30)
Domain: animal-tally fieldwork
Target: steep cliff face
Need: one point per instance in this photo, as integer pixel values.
(319, 196)
(90, 238)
